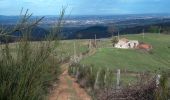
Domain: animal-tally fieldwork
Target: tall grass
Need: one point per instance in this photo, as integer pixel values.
(27, 69)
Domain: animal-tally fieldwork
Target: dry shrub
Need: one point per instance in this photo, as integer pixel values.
(27, 71)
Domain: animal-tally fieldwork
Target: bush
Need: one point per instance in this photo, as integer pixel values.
(27, 69)
(102, 87)
(87, 76)
(114, 40)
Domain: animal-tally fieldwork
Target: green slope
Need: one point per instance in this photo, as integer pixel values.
(135, 60)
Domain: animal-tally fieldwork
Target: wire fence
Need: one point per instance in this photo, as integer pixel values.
(112, 84)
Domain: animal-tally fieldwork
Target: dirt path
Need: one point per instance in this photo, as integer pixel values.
(68, 89)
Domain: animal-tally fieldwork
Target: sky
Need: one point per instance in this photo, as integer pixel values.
(85, 7)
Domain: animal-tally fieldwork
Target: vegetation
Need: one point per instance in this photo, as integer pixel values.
(138, 69)
(154, 29)
(103, 86)
(66, 48)
(114, 40)
(27, 69)
(134, 60)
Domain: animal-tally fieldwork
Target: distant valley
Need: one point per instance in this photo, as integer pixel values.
(85, 27)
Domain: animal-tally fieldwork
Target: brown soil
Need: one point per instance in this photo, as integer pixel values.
(67, 88)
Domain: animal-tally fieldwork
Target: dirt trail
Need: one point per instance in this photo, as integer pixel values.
(68, 89)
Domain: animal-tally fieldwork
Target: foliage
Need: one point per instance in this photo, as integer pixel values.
(166, 30)
(103, 86)
(89, 76)
(162, 91)
(114, 40)
(112, 59)
(154, 29)
(27, 69)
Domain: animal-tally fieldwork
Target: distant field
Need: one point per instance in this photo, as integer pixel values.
(64, 48)
(134, 60)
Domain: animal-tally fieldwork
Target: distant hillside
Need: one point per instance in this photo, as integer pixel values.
(90, 32)
(8, 19)
(87, 27)
(102, 31)
(152, 28)
(37, 34)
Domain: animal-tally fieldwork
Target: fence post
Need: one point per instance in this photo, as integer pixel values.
(75, 55)
(158, 80)
(77, 74)
(96, 84)
(90, 45)
(83, 66)
(118, 78)
(105, 77)
(73, 71)
(91, 70)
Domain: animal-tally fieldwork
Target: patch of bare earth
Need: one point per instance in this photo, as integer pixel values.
(68, 89)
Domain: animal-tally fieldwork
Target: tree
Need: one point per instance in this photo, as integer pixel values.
(114, 40)
(154, 29)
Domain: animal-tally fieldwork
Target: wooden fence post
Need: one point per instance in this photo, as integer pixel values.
(91, 70)
(83, 66)
(77, 74)
(105, 77)
(96, 84)
(75, 56)
(118, 78)
(90, 45)
(158, 80)
(73, 71)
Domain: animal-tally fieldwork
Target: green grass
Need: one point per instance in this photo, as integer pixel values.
(134, 60)
(63, 48)
(131, 59)
(66, 48)
(27, 72)
(28, 69)
(31, 67)
(107, 60)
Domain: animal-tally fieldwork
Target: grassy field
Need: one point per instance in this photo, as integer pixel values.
(65, 48)
(134, 60)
